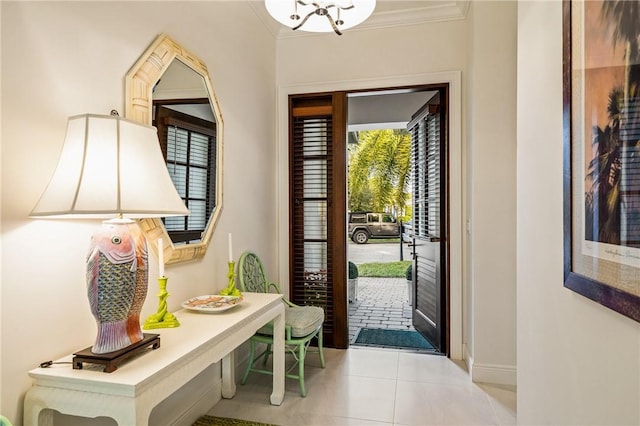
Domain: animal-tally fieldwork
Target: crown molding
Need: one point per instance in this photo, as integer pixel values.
(421, 12)
(274, 27)
(432, 11)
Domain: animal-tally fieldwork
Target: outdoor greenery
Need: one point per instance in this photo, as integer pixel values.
(385, 270)
(409, 273)
(379, 166)
(353, 271)
(382, 241)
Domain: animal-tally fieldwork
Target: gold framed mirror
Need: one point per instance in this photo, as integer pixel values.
(170, 85)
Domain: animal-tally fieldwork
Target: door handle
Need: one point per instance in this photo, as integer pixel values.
(427, 238)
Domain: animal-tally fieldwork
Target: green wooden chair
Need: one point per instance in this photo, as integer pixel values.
(302, 323)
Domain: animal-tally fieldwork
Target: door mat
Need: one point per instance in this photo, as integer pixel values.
(391, 338)
(225, 421)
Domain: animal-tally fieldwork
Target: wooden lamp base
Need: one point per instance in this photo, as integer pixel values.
(111, 360)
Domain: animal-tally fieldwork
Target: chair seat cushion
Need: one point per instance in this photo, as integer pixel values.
(303, 320)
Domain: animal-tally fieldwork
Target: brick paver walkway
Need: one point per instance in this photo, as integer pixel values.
(381, 303)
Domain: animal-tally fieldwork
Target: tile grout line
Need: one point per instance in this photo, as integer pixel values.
(493, 409)
(395, 391)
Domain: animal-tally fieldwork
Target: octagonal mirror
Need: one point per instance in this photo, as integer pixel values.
(170, 88)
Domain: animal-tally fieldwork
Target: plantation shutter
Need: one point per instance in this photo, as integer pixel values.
(428, 203)
(318, 203)
(425, 135)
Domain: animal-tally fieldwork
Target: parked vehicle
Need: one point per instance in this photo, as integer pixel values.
(366, 225)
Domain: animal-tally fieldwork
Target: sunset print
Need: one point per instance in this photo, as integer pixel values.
(612, 122)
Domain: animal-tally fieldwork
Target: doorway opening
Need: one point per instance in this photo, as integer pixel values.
(384, 163)
(291, 258)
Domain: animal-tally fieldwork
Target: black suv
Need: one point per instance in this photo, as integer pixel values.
(365, 225)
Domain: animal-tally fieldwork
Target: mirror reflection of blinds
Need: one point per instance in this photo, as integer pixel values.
(425, 145)
(312, 142)
(189, 164)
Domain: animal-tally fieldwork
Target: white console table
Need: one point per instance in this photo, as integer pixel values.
(130, 393)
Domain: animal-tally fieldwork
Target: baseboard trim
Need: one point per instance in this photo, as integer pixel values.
(467, 357)
(489, 373)
(494, 374)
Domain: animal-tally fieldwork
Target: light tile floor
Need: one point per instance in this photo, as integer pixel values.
(365, 386)
(369, 386)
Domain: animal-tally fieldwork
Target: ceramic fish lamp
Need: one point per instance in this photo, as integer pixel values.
(112, 168)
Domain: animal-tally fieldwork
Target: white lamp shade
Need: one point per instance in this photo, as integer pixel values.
(282, 10)
(110, 166)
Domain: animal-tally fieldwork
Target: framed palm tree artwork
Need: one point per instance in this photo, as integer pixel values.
(601, 77)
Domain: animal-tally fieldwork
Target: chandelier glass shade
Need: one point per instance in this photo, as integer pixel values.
(320, 16)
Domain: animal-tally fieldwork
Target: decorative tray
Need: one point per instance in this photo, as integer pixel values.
(211, 303)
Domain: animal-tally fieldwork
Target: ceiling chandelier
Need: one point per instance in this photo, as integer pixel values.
(320, 16)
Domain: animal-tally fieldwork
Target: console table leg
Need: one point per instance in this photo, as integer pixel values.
(228, 375)
(277, 395)
(35, 413)
(37, 416)
(46, 418)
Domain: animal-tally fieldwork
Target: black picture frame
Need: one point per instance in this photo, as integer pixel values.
(617, 298)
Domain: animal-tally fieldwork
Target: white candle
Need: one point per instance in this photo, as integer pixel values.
(161, 257)
(230, 249)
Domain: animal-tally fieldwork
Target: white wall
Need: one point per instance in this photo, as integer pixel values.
(362, 56)
(491, 192)
(578, 362)
(372, 53)
(66, 58)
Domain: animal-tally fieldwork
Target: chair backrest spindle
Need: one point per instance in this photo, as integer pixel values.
(251, 275)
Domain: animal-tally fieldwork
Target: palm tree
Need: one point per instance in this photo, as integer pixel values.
(603, 199)
(624, 16)
(379, 171)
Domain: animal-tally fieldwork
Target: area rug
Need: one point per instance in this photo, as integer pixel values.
(391, 338)
(224, 421)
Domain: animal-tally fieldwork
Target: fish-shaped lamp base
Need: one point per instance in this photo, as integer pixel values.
(117, 271)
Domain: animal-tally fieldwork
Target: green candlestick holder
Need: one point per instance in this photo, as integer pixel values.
(231, 289)
(162, 318)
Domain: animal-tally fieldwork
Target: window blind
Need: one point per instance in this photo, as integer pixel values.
(190, 154)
